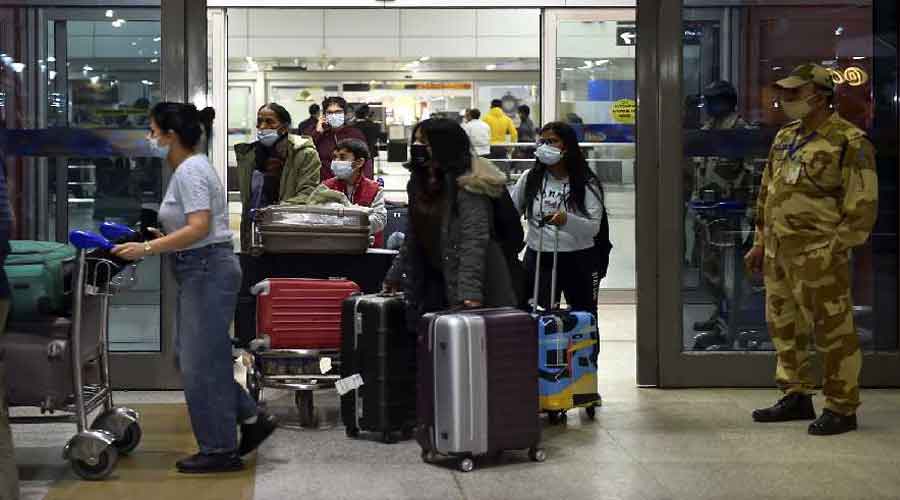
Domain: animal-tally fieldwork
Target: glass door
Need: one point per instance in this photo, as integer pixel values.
(712, 325)
(589, 82)
(102, 71)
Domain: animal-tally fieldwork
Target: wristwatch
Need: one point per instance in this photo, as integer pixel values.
(148, 249)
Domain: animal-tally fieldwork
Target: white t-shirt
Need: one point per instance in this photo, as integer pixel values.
(480, 135)
(580, 228)
(194, 186)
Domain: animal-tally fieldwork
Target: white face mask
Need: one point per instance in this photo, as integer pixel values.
(342, 169)
(267, 136)
(548, 155)
(336, 120)
(799, 109)
(157, 150)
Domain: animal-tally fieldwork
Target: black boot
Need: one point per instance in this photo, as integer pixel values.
(794, 406)
(205, 464)
(831, 423)
(252, 435)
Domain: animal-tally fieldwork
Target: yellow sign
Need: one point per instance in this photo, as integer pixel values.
(623, 111)
(853, 76)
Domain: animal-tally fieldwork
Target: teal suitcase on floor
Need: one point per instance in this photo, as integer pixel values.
(40, 278)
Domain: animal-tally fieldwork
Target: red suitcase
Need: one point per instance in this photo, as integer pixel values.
(300, 313)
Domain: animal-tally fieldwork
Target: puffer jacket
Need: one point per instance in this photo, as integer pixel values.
(501, 125)
(474, 266)
(299, 176)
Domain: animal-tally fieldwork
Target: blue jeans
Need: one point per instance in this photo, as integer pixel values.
(208, 282)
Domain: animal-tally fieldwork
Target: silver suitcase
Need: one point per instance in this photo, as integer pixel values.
(310, 229)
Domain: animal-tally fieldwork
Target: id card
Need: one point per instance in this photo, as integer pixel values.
(792, 172)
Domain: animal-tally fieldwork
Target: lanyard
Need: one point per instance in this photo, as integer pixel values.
(797, 146)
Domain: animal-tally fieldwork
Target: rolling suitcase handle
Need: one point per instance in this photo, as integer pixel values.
(537, 271)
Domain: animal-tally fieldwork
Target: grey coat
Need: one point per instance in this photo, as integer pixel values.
(474, 267)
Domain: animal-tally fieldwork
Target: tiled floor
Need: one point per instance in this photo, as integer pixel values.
(646, 444)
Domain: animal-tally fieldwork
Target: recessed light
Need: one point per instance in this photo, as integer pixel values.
(858, 58)
(491, 67)
(154, 61)
(424, 58)
(51, 59)
(157, 39)
(17, 67)
(110, 13)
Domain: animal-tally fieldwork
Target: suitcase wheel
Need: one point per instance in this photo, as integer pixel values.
(537, 454)
(106, 462)
(467, 465)
(429, 456)
(591, 412)
(557, 417)
(352, 432)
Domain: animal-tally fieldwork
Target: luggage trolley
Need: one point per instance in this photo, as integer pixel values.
(94, 451)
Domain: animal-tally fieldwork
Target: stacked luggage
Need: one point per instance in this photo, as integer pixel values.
(308, 229)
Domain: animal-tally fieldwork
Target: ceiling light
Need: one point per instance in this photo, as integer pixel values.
(839, 31)
(858, 58)
(589, 64)
(110, 13)
(157, 39)
(601, 62)
(118, 23)
(155, 52)
(154, 60)
(330, 67)
(52, 75)
(424, 58)
(147, 82)
(491, 67)
(51, 59)
(249, 59)
(568, 69)
(86, 68)
(134, 44)
(95, 80)
(17, 67)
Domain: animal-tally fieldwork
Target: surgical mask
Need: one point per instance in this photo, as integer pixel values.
(157, 150)
(267, 136)
(342, 169)
(548, 155)
(336, 120)
(418, 154)
(799, 109)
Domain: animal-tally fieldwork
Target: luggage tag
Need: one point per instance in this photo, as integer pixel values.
(348, 384)
(325, 365)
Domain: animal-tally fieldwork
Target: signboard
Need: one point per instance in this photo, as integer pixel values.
(623, 111)
(626, 35)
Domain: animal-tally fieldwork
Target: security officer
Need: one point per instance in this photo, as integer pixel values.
(818, 199)
(727, 178)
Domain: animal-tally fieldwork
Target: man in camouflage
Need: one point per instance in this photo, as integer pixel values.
(817, 201)
(727, 179)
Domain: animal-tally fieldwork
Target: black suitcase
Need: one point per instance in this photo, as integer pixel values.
(377, 346)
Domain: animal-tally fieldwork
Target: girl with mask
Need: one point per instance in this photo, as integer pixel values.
(278, 167)
(349, 157)
(194, 214)
(562, 192)
(332, 128)
(451, 256)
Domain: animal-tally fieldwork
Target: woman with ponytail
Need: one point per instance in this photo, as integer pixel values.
(194, 216)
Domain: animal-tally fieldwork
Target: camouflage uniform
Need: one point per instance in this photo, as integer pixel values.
(818, 200)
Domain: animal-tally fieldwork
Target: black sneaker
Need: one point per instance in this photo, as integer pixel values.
(206, 464)
(831, 423)
(252, 435)
(794, 406)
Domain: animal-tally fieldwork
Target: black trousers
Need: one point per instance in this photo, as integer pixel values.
(575, 278)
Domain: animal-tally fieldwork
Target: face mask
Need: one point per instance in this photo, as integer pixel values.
(336, 120)
(797, 110)
(341, 169)
(418, 154)
(157, 150)
(548, 155)
(267, 136)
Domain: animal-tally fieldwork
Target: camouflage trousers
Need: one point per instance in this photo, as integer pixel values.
(808, 295)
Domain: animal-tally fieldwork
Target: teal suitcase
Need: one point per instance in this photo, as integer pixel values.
(40, 278)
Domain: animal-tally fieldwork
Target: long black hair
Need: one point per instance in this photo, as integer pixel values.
(451, 148)
(580, 176)
(185, 120)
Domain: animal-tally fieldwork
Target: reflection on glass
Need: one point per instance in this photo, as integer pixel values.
(731, 116)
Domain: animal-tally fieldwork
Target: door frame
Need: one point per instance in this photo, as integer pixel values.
(661, 308)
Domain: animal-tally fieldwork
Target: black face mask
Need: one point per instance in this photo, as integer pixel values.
(418, 155)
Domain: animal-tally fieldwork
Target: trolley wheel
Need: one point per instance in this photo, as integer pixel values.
(352, 432)
(387, 437)
(254, 383)
(466, 465)
(537, 454)
(130, 439)
(308, 416)
(106, 462)
(591, 412)
(429, 456)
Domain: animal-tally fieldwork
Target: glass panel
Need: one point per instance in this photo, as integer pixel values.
(112, 79)
(596, 95)
(732, 56)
